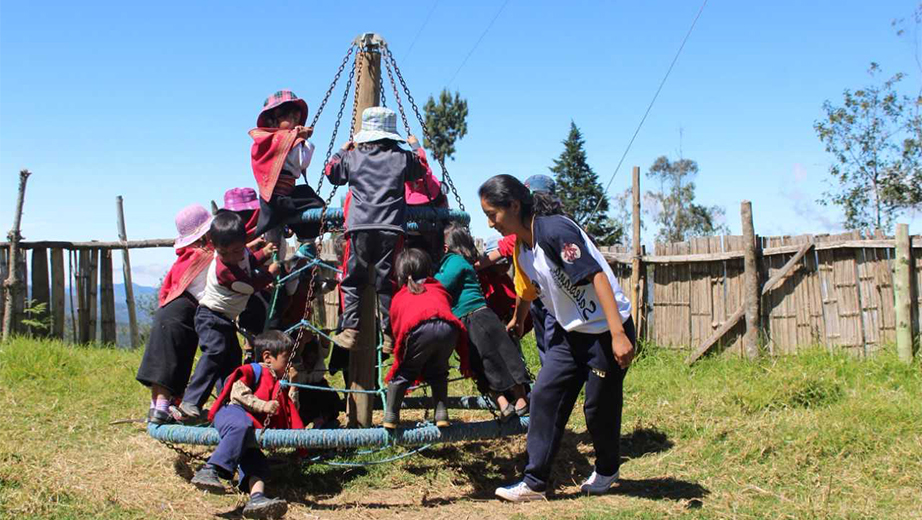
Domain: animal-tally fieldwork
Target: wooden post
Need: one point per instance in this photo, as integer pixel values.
(58, 283)
(4, 274)
(636, 265)
(106, 298)
(126, 273)
(83, 315)
(363, 358)
(92, 291)
(13, 282)
(901, 291)
(750, 283)
(40, 292)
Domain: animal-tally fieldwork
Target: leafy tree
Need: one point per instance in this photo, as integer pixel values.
(447, 122)
(673, 207)
(579, 190)
(875, 138)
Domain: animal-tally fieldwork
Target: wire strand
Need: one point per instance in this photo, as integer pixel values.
(403, 58)
(484, 33)
(645, 114)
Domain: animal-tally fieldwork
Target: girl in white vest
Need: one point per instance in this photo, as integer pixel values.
(592, 343)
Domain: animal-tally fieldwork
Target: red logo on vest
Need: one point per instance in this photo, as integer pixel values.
(570, 253)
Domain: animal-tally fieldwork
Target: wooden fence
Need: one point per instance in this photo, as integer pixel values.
(839, 294)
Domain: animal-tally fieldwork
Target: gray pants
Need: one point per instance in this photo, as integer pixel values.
(371, 252)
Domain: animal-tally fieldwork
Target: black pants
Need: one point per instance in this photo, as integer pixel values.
(220, 354)
(280, 208)
(369, 250)
(543, 326)
(566, 369)
(496, 358)
(170, 349)
(426, 353)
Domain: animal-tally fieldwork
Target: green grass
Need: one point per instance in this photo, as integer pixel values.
(808, 436)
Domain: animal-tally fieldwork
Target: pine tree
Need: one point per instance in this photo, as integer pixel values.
(579, 190)
(447, 123)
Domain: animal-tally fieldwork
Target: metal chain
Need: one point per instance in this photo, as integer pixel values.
(183, 453)
(326, 97)
(445, 176)
(390, 75)
(339, 118)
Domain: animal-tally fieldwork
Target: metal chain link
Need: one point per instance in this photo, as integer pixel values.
(445, 176)
(390, 75)
(187, 454)
(326, 97)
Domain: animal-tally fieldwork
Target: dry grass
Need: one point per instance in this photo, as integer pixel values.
(807, 436)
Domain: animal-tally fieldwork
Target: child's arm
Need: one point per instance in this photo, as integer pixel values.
(264, 254)
(517, 325)
(243, 395)
(335, 170)
(417, 166)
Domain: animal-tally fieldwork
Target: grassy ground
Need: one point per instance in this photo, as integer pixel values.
(806, 436)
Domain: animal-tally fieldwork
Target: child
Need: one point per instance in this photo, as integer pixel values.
(426, 333)
(496, 358)
(233, 276)
(591, 345)
(279, 155)
(252, 398)
(170, 350)
(376, 169)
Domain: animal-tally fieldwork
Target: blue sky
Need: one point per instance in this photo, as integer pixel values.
(153, 101)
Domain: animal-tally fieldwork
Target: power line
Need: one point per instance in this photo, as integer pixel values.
(649, 107)
(484, 33)
(423, 26)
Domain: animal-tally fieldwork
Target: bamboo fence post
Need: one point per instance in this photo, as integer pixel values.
(750, 283)
(72, 272)
(58, 282)
(40, 292)
(107, 298)
(901, 290)
(13, 282)
(83, 315)
(363, 358)
(4, 274)
(126, 272)
(636, 264)
(92, 292)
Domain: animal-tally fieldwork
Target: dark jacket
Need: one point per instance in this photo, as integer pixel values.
(376, 178)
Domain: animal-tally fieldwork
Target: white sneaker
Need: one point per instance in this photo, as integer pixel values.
(598, 484)
(519, 492)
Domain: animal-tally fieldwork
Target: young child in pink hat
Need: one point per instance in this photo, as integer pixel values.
(280, 154)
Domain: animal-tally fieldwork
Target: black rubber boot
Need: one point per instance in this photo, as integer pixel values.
(395, 393)
(440, 399)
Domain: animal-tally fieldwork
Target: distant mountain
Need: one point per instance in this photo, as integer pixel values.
(142, 295)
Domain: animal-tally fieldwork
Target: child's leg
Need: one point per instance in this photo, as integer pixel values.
(387, 244)
(409, 368)
(442, 339)
(355, 278)
(213, 335)
(488, 335)
(170, 349)
(236, 431)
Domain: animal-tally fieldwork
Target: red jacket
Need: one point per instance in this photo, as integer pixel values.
(409, 310)
(189, 263)
(265, 387)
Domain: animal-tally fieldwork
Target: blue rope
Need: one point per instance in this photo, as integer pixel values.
(352, 438)
(414, 215)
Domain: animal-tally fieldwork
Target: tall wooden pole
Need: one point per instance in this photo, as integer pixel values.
(750, 283)
(14, 282)
(126, 272)
(363, 358)
(901, 291)
(636, 265)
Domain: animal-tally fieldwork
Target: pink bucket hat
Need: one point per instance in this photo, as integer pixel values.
(277, 99)
(240, 199)
(192, 222)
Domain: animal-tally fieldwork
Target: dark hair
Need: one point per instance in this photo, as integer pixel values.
(502, 190)
(273, 116)
(413, 264)
(380, 144)
(227, 229)
(275, 342)
(458, 240)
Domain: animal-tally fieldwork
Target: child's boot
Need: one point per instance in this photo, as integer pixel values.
(261, 506)
(440, 398)
(395, 393)
(347, 338)
(207, 479)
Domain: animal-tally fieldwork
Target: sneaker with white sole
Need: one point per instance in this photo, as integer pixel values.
(598, 484)
(519, 492)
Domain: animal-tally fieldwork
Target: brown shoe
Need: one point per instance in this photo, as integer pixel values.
(387, 344)
(347, 338)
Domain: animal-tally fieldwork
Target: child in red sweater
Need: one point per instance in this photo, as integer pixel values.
(425, 333)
